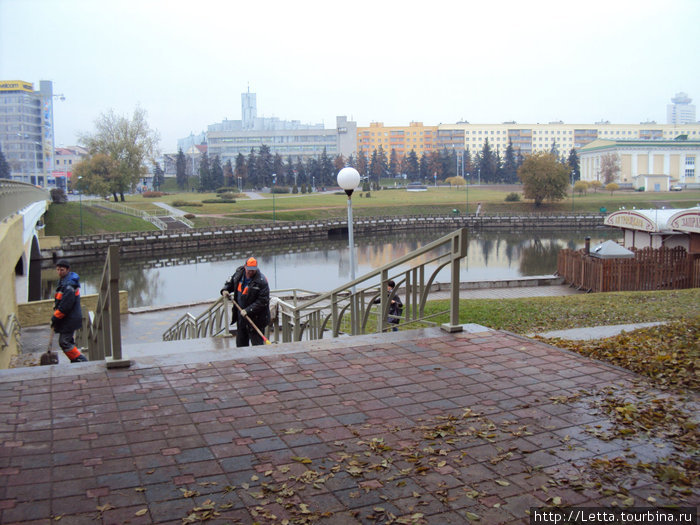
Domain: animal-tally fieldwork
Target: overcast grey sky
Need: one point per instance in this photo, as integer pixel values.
(437, 61)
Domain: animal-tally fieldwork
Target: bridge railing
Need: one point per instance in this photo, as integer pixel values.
(101, 331)
(358, 307)
(15, 195)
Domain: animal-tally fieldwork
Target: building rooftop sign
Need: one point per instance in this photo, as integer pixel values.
(686, 220)
(642, 220)
(16, 85)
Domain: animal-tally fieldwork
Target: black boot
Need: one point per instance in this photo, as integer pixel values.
(80, 359)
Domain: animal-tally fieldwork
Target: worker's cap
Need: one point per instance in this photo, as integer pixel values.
(251, 264)
(63, 263)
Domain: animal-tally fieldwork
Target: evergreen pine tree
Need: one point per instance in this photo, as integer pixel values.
(411, 166)
(181, 170)
(205, 180)
(574, 164)
(289, 172)
(5, 172)
(252, 165)
(217, 173)
(158, 176)
(394, 164)
(510, 166)
(228, 174)
(240, 172)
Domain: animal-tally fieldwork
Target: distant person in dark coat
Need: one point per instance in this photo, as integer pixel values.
(67, 316)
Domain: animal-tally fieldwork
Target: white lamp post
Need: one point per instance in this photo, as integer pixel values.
(349, 179)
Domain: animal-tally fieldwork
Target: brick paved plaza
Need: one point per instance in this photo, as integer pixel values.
(413, 427)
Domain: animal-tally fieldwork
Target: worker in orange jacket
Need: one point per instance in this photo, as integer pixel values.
(67, 316)
(249, 288)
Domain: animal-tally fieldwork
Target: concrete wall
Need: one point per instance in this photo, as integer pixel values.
(39, 313)
(11, 251)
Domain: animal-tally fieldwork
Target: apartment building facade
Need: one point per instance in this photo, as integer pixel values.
(27, 130)
(401, 139)
(533, 138)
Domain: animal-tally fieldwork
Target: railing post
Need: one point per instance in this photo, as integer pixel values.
(116, 360)
(459, 250)
(383, 299)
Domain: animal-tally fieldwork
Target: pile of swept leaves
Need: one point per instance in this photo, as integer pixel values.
(668, 354)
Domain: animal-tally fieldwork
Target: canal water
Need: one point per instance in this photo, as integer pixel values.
(322, 265)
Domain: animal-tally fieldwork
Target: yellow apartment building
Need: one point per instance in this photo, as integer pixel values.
(403, 139)
(532, 138)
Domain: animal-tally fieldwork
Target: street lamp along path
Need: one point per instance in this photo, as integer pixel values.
(348, 180)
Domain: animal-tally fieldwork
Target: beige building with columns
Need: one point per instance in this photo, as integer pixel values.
(653, 164)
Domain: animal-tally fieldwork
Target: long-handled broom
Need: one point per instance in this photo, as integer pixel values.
(267, 341)
(49, 357)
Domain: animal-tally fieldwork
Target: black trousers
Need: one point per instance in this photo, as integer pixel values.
(246, 334)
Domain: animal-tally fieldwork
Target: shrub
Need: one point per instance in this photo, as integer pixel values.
(58, 196)
(280, 189)
(180, 204)
(189, 216)
(227, 189)
(295, 190)
(513, 197)
(219, 201)
(153, 194)
(612, 187)
(368, 195)
(227, 195)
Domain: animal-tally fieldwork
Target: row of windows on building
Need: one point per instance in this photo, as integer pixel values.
(313, 149)
(273, 140)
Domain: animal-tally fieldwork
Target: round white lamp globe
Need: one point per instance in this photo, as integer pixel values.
(348, 179)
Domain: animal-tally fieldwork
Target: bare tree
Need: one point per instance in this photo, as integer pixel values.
(609, 167)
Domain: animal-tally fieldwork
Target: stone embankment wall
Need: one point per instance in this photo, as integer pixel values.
(286, 232)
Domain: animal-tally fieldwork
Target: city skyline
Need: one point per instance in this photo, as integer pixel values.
(386, 62)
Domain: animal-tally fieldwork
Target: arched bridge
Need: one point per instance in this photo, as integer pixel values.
(22, 207)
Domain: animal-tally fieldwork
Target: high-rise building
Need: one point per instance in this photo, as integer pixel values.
(681, 111)
(27, 130)
(287, 138)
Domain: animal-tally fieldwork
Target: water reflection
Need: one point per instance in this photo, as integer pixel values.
(325, 264)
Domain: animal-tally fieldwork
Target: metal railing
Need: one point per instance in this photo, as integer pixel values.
(151, 216)
(215, 320)
(101, 330)
(358, 307)
(15, 195)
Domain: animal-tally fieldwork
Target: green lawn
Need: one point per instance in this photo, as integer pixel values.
(539, 314)
(71, 218)
(435, 200)
(397, 202)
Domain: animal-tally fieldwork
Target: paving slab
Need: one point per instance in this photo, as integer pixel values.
(421, 425)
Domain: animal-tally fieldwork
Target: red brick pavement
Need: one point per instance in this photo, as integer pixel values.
(425, 426)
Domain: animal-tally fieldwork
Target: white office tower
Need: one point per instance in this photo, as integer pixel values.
(249, 109)
(681, 111)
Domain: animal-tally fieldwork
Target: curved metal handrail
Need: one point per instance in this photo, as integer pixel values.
(348, 308)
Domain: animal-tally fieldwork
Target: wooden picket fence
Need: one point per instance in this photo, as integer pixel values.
(651, 269)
